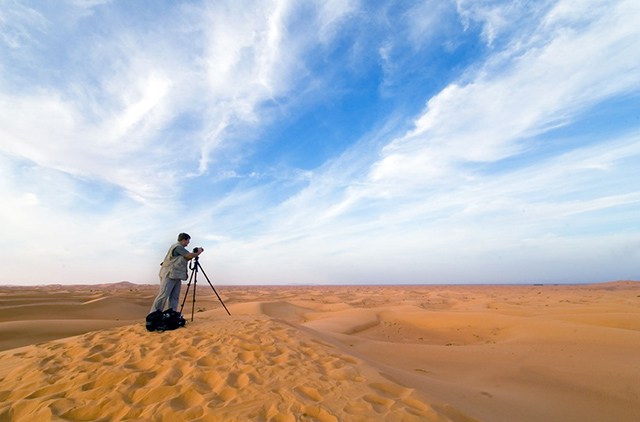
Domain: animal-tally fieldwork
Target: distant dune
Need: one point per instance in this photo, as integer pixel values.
(617, 285)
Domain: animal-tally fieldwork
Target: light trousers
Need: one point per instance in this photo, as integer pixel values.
(169, 292)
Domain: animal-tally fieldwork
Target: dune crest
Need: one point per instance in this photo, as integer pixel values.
(248, 367)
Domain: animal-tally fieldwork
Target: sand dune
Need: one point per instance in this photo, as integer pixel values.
(220, 369)
(352, 353)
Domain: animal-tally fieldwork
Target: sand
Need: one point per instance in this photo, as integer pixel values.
(324, 353)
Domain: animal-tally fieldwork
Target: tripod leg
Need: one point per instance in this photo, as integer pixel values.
(193, 305)
(214, 289)
(186, 293)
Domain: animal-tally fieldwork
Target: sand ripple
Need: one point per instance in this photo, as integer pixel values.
(240, 368)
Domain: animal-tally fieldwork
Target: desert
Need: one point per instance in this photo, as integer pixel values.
(461, 353)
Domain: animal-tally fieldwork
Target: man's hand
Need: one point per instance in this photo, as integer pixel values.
(196, 252)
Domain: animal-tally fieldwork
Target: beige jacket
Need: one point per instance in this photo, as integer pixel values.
(173, 266)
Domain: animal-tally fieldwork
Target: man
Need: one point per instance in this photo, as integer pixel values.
(172, 271)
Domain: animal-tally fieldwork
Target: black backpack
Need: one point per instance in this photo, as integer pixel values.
(172, 320)
(154, 319)
(163, 321)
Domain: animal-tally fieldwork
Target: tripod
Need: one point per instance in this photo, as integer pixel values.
(194, 276)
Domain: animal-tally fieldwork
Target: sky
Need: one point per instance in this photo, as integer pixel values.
(327, 142)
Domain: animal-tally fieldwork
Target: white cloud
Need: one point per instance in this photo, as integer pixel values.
(500, 18)
(251, 58)
(519, 94)
(220, 63)
(19, 24)
(428, 20)
(152, 90)
(109, 130)
(87, 3)
(493, 228)
(53, 133)
(331, 17)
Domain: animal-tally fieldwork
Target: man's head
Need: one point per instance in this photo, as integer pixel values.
(184, 239)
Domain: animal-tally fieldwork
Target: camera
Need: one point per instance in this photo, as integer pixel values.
(196, 250)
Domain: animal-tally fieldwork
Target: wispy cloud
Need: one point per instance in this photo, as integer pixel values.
(113, 130)
(459, 228)
(518, 94)
(18, 23)
(423, 191)
(501, 19)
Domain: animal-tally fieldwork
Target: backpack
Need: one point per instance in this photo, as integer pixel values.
(163, 321)
(154, 319)
(172, 320)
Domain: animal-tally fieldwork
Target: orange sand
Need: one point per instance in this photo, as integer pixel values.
(353, 353)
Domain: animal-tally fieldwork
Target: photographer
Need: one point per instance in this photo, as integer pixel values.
(172, 271)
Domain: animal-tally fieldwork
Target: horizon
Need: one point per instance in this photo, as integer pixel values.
(324, 143)
(613, 282)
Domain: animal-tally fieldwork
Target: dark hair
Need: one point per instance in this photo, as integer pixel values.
(183, 236)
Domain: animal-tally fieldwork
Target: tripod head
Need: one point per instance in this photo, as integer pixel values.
(194, 264)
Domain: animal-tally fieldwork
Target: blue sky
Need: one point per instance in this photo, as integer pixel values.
(325, 142)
